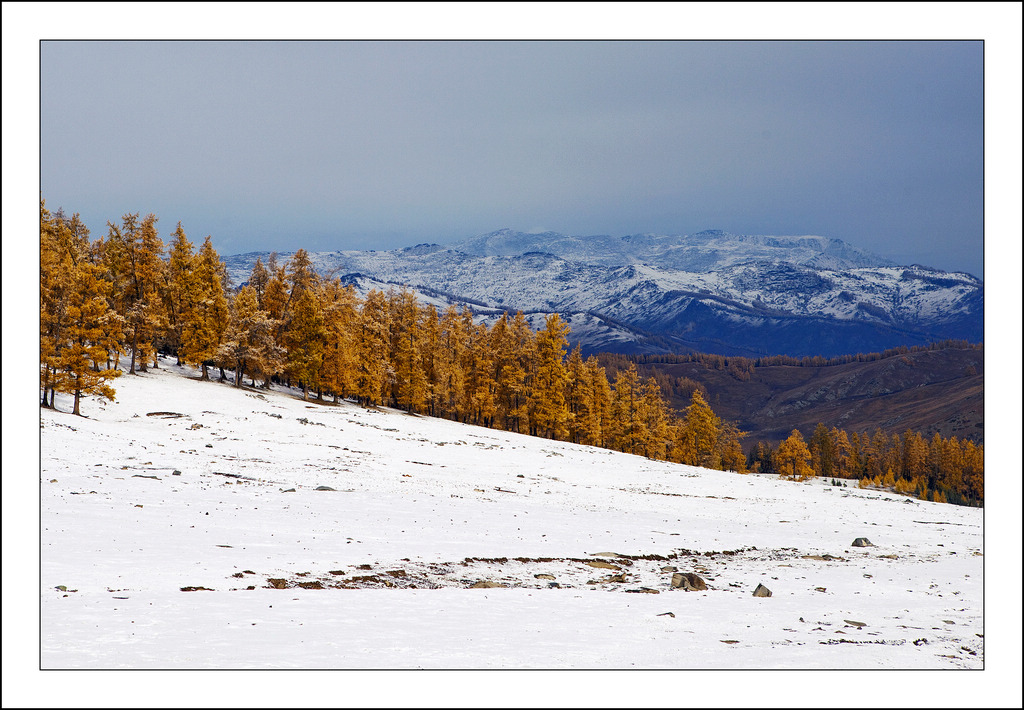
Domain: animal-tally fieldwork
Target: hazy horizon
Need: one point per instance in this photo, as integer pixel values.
(276, 145)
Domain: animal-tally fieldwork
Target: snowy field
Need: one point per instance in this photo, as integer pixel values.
(188, 525)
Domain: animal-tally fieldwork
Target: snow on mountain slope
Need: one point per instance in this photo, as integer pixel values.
(185, 485)
(747, 307)
(709, 250)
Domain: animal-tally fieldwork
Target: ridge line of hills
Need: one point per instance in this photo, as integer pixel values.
(710, 292)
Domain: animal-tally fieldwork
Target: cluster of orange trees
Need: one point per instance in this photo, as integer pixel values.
(946, 470)
(122, 296)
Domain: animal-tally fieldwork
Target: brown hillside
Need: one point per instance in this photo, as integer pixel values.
(930, 391)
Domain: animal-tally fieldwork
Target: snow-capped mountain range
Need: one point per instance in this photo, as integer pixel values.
(711, 291)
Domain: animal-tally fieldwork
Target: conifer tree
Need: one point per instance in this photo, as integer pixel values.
(259, 278)
(479, 383)
(249, 346)
(93, 329)
(823, 451)
(514, 348)
(793, 458)
(409, 390)
(844, 453)
(731, 451)
(204, 314)
(576, 388)
(451, 373)
(431, 358)
(179, 286)
(375, 372)
(133, 253)
(653, 416)
(58, 257)
(698, 438)
(340, 353)
(627, 433)
(596, 422)
(549, 414)
(306, 340)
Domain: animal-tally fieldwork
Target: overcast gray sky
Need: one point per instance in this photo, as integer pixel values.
(341, 145)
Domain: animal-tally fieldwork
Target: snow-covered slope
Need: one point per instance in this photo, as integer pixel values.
(747, 305)
(710, 250)
(376, 525)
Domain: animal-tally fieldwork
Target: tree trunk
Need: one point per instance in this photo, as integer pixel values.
(206, 375)
(78, 396)
(135, 340)
(305, 392)
(46, 385)
(238, 375)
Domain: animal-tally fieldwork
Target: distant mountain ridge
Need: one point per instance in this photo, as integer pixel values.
(709, 250)
(710, 292)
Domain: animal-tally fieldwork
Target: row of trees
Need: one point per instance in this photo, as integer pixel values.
(122, 296)
(727, 362)
(950, 470)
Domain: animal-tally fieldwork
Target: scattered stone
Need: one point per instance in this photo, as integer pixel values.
(668, 613)
(311, 585)
(688, 581)
(729, 641)
(139, 475)
(287, 490)
(250, 588)
(919, 642)
(762, 591)
(176, 472)
(196, 425)
(606, 554)
(323, 488)
(184, 589)
(487, 585)
(278, 583)
(366, 578)
(862, 542)
(238, 574)
(336, 571)
(209, 446)
(247, 571)
(643, 590)
(820, 589)
(165, 415)
(397, 573)
(554, 585)
(669, 568)
(543, 576)
(823, 558)
(858, 624)
(601, 564)
(364, 567)
(62, 587)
